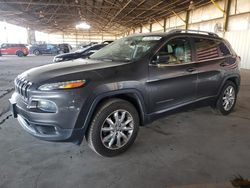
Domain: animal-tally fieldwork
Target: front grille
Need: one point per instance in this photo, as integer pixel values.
(21, 86)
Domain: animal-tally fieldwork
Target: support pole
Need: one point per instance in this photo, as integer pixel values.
(226, 14)
(165, 24)
(76, 37)
(187, 19)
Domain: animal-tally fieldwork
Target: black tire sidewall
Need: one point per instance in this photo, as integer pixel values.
(95, 129)
(20, 54)
(219, 103)
(36, 52)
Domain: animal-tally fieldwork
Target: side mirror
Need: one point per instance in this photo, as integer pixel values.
(161, 58)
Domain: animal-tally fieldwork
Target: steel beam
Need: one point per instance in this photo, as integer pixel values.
(226, 14)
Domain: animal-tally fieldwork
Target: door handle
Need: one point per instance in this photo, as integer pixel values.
(191, 69)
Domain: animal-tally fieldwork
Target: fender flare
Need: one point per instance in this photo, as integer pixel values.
(136, 95)
(237, 76)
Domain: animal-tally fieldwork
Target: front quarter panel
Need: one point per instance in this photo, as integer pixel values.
(120, 80)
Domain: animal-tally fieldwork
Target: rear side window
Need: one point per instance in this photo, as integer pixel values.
(21, 45)
(206, 49)
(224, 49)
(209, 49)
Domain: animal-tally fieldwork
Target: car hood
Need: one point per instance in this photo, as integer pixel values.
(66, 71)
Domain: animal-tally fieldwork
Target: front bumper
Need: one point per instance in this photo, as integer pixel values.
(59, 126)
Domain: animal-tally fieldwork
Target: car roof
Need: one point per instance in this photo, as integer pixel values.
(194, 33)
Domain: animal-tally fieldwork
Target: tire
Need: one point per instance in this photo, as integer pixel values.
(19, 54)
(106, 136)
(36, 52)
(223, 104)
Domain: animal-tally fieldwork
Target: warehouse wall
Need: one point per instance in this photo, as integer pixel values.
(210, 18)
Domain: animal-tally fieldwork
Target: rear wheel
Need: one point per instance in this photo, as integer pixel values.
(114, 128)
(227, 99)
(36, 52)
(20, 54)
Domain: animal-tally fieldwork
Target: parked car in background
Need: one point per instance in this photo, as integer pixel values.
(81, 53)
(14, 49)
(40, 49)
(65, 47)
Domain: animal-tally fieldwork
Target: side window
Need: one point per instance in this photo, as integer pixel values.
(208, 49)
(49, 46)
(99, 47)
(94, 48)
(224, 49)
(175, 51)
(4, 46)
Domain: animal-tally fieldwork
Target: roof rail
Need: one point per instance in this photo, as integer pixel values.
(193, 31)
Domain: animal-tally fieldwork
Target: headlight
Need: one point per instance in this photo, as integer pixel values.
(57, 59)
(62, 85)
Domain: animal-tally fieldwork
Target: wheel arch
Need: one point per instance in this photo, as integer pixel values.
(235, 78)
(18, 51)
(131, 95)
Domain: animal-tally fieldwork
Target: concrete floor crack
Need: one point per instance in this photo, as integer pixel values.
(7, 92)
(6, 118)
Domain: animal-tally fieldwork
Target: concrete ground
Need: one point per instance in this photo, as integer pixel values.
(197, 148)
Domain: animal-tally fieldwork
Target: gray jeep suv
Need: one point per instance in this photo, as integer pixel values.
(128, 83)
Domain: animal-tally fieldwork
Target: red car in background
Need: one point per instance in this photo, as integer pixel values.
(14, 49)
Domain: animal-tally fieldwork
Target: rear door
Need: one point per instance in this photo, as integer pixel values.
(10, 49)
(174, 82)
(211, 59)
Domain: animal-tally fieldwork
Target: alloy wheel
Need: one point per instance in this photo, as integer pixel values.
(117, 129)
(228, 98)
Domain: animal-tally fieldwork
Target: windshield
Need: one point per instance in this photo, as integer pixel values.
(126, 49)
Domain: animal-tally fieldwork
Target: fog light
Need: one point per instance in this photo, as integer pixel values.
(47, 106)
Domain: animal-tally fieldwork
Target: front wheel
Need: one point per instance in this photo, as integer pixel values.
(114, 128)
(20, 54)
(227, 99)
(37, 52)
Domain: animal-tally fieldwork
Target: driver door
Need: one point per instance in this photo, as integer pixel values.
(172, 75)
